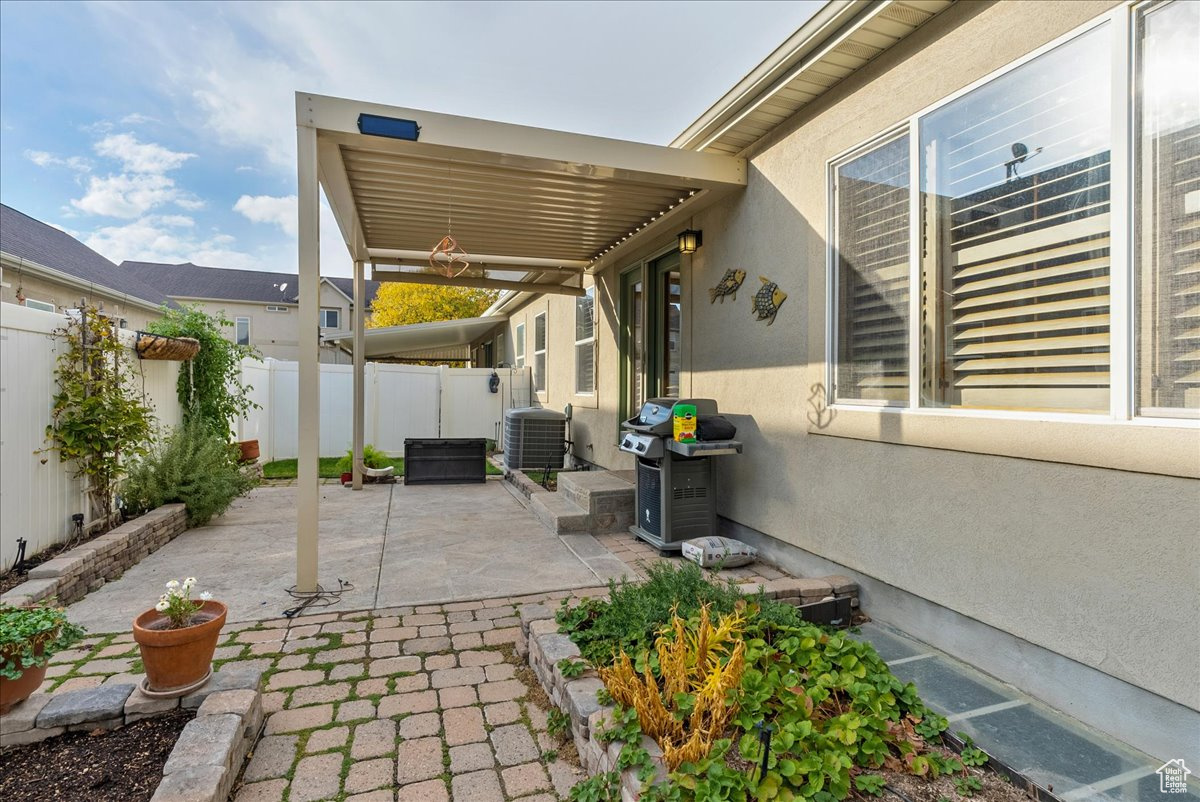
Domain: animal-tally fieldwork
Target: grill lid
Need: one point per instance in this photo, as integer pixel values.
(656, 414)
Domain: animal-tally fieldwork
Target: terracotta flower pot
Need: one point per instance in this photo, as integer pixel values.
(178, 659)
(15, 691)
(249, 450)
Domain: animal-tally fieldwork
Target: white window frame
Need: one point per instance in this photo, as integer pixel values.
(519, 345)
(587, 341)
(544, 352)
(1122, 410)
(44, 306)
(322, 317)
(276, 309)
(237, 321)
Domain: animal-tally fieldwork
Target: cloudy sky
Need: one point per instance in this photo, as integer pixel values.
(166, 131)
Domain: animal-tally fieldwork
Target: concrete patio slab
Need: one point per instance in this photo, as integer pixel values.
(393, 544)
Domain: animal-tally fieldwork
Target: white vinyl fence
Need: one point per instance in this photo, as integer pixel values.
(37, 494)
(401, 401)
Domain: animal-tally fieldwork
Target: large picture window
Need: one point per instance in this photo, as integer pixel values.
(585, 343)
(871, 235)
(1167, 211)
(1000, 270)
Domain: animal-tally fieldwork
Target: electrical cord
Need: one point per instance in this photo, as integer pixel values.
(318, 598)
(897, 793)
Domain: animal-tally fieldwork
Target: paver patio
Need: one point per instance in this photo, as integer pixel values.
(366, 706)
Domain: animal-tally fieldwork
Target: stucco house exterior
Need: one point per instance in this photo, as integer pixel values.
(261, 305)
(981, 395)
(44, 268)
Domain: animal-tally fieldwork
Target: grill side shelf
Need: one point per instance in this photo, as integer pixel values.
(706, 448)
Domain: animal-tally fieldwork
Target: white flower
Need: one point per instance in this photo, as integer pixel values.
(206, 596)
(189, 582)
(172, 585)
(162, 606)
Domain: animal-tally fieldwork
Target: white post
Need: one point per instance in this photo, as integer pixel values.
(359, 363)
(308, 439)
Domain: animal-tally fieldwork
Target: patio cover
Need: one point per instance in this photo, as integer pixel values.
(421, 340)
(534, 208)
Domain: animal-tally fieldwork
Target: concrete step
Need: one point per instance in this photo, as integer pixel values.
(606, 496)
(559, 514)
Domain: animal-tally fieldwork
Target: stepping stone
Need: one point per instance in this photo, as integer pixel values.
(102, 703)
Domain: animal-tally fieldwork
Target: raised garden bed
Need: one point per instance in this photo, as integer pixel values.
(665, 706)
(74, 573)
(113, 742)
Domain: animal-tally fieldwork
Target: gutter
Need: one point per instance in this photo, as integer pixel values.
(774, 70)
(8, 261)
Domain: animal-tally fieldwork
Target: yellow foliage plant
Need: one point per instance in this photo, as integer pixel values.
(698, 667)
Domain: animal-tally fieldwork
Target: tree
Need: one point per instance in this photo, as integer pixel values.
(399, 304)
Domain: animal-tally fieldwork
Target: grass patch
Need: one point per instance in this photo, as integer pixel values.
(286, 468)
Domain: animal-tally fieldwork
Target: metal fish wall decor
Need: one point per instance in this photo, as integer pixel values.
(728, 285)
(767, 300)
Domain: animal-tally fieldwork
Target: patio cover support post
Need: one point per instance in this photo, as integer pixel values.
(360, 338)
(309, 434)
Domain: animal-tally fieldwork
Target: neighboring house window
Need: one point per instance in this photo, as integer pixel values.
(520, 345)
(1166, 137)
(984, 275)
(42, 305)
(331, 318)
(277, 309)
(539, 353)
(585, 342)
(241, 331)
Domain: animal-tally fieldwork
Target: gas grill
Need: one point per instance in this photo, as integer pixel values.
(675, 498)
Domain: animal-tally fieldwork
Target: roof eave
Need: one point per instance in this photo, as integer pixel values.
(10, 261)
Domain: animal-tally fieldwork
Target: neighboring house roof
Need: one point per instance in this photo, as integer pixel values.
(47, 251)
(218, 283)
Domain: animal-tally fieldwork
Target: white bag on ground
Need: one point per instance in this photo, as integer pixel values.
(710, 552)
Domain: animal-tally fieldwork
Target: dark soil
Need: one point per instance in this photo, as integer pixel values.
(122, 765)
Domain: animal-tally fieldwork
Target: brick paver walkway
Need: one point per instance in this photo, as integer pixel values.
(407, 704)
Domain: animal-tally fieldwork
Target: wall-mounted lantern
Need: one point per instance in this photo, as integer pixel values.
(690, 240)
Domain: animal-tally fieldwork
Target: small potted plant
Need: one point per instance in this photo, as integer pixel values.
(29, 637)
(177, 639)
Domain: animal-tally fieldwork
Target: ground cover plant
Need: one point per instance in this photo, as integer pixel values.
(747, 701)
(30, 636)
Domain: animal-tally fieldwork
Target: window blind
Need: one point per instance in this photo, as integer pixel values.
(1016, 233)
(872, 240)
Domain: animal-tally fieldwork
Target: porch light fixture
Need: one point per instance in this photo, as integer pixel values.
(690, 240)
(391, 127)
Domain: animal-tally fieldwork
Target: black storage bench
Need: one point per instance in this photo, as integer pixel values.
(445, 461)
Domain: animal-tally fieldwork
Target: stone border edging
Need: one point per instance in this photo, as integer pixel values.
(206, 759)
(73, 574)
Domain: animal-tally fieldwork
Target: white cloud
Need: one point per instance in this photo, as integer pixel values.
(268, 209)
(167, 238)
(126, 196)
(137, 119)
(44, 159)
(141, 157)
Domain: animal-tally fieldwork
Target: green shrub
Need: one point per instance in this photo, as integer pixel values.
(634, 614)
(372, 458)
(193, 465)
(210, 384)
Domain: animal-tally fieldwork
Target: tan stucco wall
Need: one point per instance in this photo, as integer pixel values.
(1098, 565)
(1093, 563)
(64, 296)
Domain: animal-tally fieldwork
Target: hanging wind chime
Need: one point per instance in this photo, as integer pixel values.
(447, 257)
